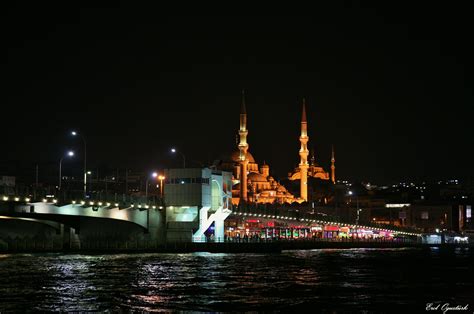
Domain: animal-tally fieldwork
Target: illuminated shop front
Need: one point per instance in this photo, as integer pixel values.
(330, 232)
(266, 229)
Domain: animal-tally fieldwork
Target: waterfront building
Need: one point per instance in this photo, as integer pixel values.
(196, 200)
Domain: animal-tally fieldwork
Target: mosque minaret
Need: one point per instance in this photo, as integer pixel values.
(304, 155)
(333, 166)
(243, 148)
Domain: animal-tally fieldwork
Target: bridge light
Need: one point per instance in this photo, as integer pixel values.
(132, 205)
(91, 203)
(154, 207)
(17, 199)
(55, 201)
(27, 199)
(116, 204)
(82, 202)
(146, 206)
(100, 203)
(73, 202)
(5, 198)
(108, 204)
(161, 207)
(44, 200)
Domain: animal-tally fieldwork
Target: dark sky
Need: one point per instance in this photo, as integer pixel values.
(390, 87)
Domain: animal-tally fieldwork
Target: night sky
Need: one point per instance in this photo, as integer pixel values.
(390, 87)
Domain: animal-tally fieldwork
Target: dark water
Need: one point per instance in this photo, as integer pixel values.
(379, 280)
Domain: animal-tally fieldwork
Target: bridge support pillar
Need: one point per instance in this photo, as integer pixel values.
(156, 226)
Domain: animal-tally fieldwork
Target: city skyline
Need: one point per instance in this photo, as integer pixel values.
(392, 106)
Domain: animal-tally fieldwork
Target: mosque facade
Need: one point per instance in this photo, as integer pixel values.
(252, 183)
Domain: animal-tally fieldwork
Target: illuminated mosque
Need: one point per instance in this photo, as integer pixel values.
(254, 184)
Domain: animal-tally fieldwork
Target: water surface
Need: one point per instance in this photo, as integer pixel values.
(344, 280)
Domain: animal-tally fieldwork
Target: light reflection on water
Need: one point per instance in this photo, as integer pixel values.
(355, 279)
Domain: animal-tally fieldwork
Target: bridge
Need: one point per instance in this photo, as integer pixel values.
(67, 218)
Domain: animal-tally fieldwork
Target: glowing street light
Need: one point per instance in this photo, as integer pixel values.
(174, 151)
(74, 133)
(69, 154)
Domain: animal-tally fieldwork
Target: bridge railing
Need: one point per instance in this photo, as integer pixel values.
(305, 214)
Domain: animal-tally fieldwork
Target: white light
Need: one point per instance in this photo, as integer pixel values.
(70, 153)
(91, 203)
(74, 202)
(73, 133)
(55, 201)
(350, 192)
(116, 204)
(154, 207)
(146, 206)
(17, 199)
(27, 199)
(108, 204)
(173, 150)
(161, 207)
(82, 202)
(89, 172)
(5, 198)
(132, 205)
(154, 174)
(100, 203)
(396, 205)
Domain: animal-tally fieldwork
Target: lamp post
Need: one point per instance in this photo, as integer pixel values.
(74, 133)
(161, 178)
(69, 154)
(357, 202)
(154, 175)
(174, 151)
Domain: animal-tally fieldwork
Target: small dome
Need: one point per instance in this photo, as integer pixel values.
(256, 177)
(235, 157)
(281, 188)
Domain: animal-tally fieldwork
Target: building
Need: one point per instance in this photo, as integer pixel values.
(197, 203)
(252, 182)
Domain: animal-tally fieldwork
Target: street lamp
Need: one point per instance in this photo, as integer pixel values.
(174, 151)
(154, 175)
(74, 133)
(358, 210)
(69, 154)
(161, 178)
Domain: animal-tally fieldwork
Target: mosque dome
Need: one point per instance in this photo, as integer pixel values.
(235, 157)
